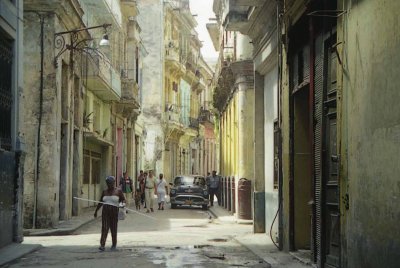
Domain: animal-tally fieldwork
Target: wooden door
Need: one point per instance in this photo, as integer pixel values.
(331, 196)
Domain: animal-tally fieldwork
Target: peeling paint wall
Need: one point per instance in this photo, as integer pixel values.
(48, 181)
(151, 19)
(371, 132)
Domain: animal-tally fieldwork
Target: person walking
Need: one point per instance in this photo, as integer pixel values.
(112, 196)
(142, 188)
(213, 187)
(162, 190)
(139, 182)
(127, 188)
(150, 185)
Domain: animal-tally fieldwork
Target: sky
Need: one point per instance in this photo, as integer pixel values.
(203, 10)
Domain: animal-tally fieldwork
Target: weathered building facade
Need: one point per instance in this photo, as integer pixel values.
(84, 59)
(325, 156)
(234, 99)
(174, 81)
(368, 132)
(12, 149)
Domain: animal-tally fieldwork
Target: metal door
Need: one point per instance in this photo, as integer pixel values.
(331, 212)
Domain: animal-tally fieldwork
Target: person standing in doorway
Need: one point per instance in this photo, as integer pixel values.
(150, 185)
(127, 188)
(213, 187)
(112, 197)
(162, 190)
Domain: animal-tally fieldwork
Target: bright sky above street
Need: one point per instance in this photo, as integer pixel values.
(203, 10)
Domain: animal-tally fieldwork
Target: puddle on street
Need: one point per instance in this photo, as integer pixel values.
(218, 240)
(196, 256)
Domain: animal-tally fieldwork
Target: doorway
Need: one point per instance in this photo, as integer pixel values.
(302, 171)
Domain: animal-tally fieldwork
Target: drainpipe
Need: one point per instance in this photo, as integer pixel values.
(37, 168)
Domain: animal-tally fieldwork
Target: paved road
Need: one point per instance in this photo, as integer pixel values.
(175, 238)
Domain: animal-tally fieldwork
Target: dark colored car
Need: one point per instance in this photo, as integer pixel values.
(189, 190)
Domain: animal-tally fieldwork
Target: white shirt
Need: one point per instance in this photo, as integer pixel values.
(161, 186)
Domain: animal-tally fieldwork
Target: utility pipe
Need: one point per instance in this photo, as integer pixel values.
(38, 140)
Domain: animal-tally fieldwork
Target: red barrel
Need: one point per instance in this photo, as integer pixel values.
(233, 207)
(244, 199)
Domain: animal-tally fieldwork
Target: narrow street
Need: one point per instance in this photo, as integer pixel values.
(287, 111)
(184, 237)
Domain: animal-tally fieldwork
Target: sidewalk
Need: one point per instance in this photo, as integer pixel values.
(260, 244)
(15, 251)
(65, 227)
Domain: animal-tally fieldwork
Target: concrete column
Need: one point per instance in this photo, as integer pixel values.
(222, 142)
(259, 155)
(166, 156)
(245, 126)
(201, 160)
(77, 171)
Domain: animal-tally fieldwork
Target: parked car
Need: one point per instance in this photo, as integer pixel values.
(189, 190)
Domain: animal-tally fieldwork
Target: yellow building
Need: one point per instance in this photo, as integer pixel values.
(183, 84)
(234, 100)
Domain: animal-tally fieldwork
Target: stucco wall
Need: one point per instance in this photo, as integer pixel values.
(371, 131)
(270, 114)
(48, 181)
(151, 19)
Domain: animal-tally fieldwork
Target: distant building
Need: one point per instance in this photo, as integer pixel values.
(174, 136)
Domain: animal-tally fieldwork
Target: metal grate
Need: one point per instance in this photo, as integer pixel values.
(6, 57)
(318, 112)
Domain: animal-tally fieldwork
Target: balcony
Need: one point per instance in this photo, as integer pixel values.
(172, 59)
(206, 116)
(129, 8)
(102, 79)
(193, 123)
(240, 14)
(191, 71)
(173, 112)
(106, 11)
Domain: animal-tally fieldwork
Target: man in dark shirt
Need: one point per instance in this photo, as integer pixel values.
(127, 188)
(213, 186)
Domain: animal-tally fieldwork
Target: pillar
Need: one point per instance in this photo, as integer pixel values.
(259, 155)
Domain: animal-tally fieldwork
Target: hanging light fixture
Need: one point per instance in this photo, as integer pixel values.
(104, 41)
(75, 43)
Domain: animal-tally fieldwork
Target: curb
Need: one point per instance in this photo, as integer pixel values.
(251, 250)
(4, 261)
(53, 232)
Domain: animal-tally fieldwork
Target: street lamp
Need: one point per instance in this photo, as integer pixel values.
(75, 43)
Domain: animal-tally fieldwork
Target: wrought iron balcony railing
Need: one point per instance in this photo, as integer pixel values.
(193, 122)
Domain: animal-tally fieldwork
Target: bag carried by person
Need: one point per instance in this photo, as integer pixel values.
(121, 213)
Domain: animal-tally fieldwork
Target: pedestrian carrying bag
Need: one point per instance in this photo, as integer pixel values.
(121, 213)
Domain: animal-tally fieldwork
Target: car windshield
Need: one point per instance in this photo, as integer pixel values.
(189, 181)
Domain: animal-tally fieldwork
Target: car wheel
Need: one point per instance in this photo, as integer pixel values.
(204, 207)
(173, 206)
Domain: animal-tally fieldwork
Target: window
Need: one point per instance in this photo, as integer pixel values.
(6, 59)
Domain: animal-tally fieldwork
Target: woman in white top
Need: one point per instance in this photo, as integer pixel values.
(111, 197)
(162, 190)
